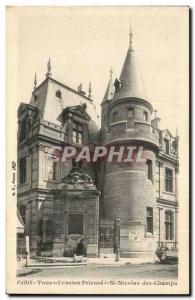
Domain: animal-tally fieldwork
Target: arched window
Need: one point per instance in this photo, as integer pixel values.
(169, 225)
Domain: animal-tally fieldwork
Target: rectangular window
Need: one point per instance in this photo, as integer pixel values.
(149, 226)
(75, 224)
(77, 133)
(52, 170)
(168, 180)
(145, 116)
(23, 170)
(23, 130)
(130, 113)
(169, 225)
(166, 146)
(55, 170)
(149, 169)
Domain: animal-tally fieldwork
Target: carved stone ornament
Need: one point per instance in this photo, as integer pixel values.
(77, 179)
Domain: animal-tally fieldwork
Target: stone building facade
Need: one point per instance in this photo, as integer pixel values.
(61, 202)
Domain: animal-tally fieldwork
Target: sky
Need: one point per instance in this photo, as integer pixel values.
(84, 43)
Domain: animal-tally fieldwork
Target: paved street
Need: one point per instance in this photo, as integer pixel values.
(112, 272)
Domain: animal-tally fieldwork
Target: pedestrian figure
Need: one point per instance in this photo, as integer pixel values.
(80, 250)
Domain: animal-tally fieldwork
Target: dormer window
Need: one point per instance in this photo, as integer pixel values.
(130, 113)
(59, 94)
(145, 114)
(166, 146)
(77, 133)
(114, 116)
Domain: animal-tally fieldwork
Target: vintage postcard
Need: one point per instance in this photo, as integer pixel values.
(98, 155)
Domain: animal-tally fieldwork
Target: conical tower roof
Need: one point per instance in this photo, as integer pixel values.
(132, 85)
(110, 89)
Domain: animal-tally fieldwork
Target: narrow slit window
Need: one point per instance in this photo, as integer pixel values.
(145, 114)
(149, 169)
(130, 113)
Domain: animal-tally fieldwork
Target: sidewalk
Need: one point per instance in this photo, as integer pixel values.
(23, 271)
(34, 267)
(110, 261)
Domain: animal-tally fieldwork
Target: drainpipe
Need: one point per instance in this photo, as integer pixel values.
(159, 209)
(176, 209)
(159, 199)
(99, 227)
(159, 218)
(117, 224)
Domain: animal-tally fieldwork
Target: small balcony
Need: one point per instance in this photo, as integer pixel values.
(139, 132)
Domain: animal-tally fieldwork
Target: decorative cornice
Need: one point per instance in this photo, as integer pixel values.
(132, 100)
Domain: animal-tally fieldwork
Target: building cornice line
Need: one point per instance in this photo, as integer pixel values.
(168, 202)
(131, 100)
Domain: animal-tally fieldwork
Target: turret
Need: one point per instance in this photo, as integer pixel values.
(106, 100)
(129, 192)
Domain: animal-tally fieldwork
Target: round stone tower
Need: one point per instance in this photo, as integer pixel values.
(129, 188)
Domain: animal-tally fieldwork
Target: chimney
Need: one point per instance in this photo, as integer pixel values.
(80, 89)
(155, 122)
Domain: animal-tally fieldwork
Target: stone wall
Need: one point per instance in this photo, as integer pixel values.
(76, 202)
